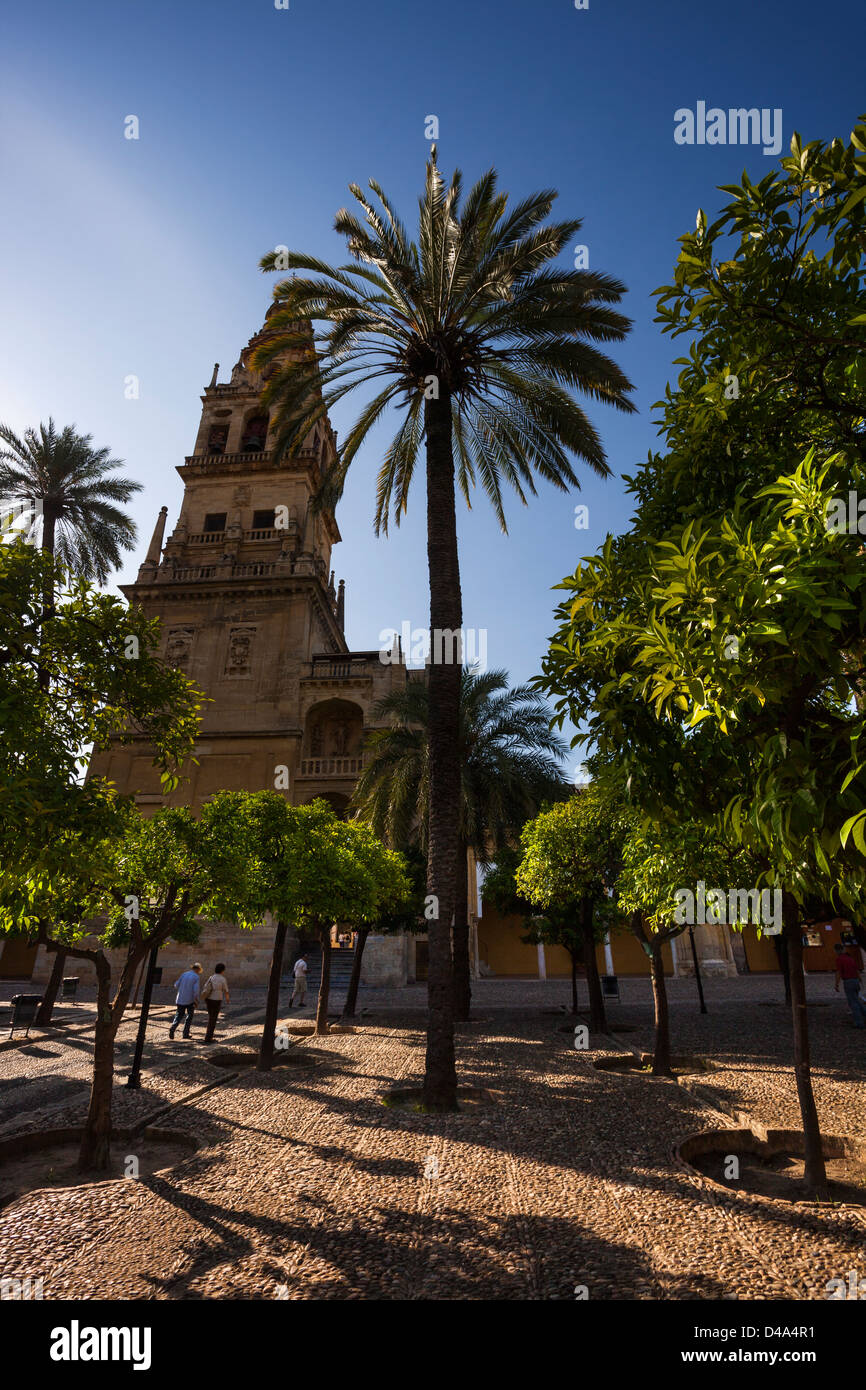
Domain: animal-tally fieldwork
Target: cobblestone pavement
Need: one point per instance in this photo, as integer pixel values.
(304, 1186)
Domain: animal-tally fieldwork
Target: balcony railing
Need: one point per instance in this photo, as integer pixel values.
(339, 670)
(206, 537)
(195, 572)
(331, 767)
(258, 570)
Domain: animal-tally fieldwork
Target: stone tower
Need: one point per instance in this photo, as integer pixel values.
(245, 596)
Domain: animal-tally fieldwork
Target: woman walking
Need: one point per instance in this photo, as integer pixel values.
(215, 991)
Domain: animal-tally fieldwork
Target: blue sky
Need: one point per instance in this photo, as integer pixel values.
(122, 257)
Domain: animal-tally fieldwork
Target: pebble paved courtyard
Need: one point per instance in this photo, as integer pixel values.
(305, 1185)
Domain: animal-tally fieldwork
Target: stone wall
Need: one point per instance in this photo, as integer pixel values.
(385, 961)
(247, 957)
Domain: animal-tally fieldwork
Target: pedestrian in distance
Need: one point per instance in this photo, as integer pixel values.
(847, 972)
(215, 994)
(188, 989)
(300, 990)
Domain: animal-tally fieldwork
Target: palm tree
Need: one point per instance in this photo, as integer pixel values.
(481, 344)
(510, 763)
(81, 524)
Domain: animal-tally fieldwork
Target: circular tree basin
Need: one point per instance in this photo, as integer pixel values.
(682, 1064)
(770, 1164)
(49, 1158)
(469, 1098)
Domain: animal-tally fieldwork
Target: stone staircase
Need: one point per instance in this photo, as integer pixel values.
(341, 969)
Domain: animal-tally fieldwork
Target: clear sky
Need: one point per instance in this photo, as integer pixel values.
(140, 257)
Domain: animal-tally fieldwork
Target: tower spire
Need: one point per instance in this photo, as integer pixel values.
(154, 550)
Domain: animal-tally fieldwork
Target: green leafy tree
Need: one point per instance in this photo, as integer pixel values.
(555, 927)
(106, 683)
(510, 764)
(82, 670)
(658, 862)
(719, 645)
(311, 868)
(571, 859)
(141, 885)
(770, 295)
(482, 344)
(405, 915)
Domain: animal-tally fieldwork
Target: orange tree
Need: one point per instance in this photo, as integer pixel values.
(312, 869)
(715, 651)
(571, 857)
(144, 882)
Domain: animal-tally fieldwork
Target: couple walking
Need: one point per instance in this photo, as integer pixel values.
(189, 993)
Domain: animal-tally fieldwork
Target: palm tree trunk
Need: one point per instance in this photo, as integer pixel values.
(597, 1015)
(325, 984)
(266, 1047)
(355, 980)
(49, 523)
(462, 975)
(662, 1049)
(46, 1008)
(446, 615)
(815, 1175)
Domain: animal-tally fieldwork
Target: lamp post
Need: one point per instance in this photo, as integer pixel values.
(134, 1078)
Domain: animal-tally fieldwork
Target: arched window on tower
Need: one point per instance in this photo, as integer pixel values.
(216, 440)
(255, 435)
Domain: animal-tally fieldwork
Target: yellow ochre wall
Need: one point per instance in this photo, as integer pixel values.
(501, 949)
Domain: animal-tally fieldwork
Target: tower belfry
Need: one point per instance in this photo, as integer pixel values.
(245, 595)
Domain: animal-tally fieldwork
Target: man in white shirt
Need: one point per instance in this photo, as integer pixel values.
(300, 990)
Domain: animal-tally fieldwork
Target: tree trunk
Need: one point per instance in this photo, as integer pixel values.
(597, 1016)
(46, 1008)
(325, 984)
(95, 1151)
(815, 1175)
(462, 975)
(662, 1049)
(49, 524)
(272, 1004)
(781, 945)
(446, 615)
(573, 982)
(355, 980)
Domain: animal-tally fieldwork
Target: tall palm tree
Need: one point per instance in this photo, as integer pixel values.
(510, 763)
(481, 344)
(82, 524)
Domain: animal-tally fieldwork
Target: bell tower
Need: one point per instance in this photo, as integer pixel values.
(245, 596)
(244, 591)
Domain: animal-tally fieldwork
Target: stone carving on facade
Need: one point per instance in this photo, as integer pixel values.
(178, 648)
(239, 661)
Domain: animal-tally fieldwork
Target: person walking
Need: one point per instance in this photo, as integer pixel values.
(847, 972)
(214, 994)
(300, 990)
(187, 986)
